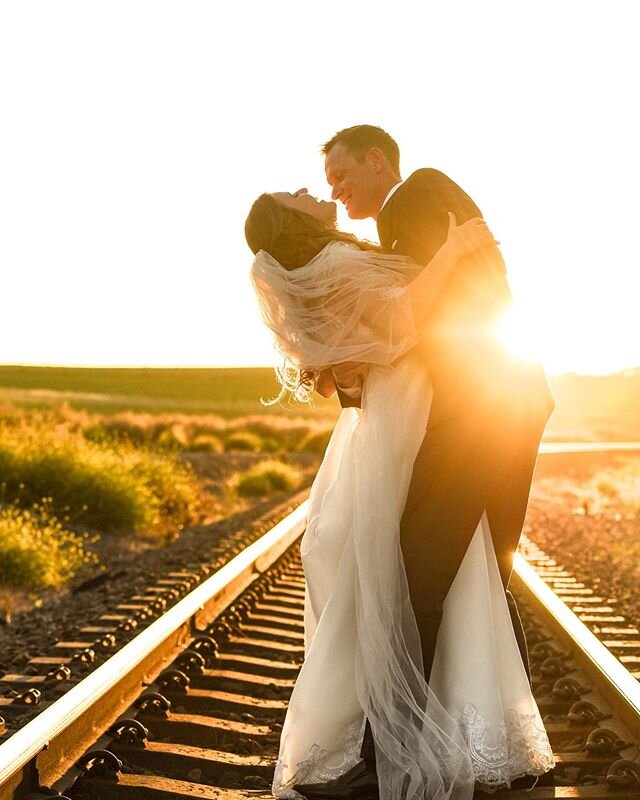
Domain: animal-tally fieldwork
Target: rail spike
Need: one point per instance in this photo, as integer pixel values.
(543, 650)
(207, 647)
(85, 656)
(101, 763)
(624, 774)
(129, 731)
(127, 626)
(154, 703)
(568, 689)
(582, 712)
(553, 667)
(32, 697)
(173, 680)
(61, 673)
(191, 662)
(534, 634)
(105, 642)
(605, 742)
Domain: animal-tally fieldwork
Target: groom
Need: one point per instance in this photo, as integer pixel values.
(488, 410)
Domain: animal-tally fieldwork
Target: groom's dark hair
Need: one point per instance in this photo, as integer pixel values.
(359, 139)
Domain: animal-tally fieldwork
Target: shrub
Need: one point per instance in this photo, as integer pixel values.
(267, 477)
(172, 484)
(607, 486)
(173, 437)
(243, 440)
(261, 426)
(124, 427)
(36, 552)
(207, 424)
(116, 488)
(206, 443)
(97, 433)
(287, 432)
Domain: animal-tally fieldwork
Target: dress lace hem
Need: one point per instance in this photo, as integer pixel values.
(502, 752)
(313, 768)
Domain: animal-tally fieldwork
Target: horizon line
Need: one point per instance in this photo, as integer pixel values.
(258, 366)
(135, 366)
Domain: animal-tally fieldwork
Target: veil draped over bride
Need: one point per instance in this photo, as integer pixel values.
(477, 723)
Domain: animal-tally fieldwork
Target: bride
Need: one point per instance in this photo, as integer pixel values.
(332, 300)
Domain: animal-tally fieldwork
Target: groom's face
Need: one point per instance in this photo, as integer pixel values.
(354, 183)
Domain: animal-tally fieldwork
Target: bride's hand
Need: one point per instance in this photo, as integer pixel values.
(350, 377)
(468, 237)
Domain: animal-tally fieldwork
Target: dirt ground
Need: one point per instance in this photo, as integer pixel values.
(584, 511)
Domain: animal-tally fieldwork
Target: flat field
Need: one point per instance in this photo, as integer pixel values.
(588, 408)
(225, 392)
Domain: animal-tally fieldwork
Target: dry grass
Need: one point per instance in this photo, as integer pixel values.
(268, 477)
(110, 486)
(130, 474)
(36, 551)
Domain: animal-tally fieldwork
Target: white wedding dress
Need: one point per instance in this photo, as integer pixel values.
(477, 724)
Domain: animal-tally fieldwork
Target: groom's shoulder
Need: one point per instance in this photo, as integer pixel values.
(426, 178)
(431, 186)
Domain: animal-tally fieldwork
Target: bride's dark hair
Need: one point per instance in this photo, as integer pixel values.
(292, 237)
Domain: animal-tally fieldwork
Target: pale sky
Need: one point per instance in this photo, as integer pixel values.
(135, 135)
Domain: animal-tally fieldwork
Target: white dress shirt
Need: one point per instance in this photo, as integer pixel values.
(392, 191)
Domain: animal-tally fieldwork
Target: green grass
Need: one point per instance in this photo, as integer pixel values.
(227, 392)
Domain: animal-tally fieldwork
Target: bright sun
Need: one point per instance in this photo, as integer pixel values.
(519, 337)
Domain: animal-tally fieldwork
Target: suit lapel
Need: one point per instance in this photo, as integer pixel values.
(385, 224)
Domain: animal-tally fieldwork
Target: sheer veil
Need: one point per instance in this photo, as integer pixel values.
(351, 305)
(344, 305)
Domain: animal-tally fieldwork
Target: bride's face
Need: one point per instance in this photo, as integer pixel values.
(301, 200)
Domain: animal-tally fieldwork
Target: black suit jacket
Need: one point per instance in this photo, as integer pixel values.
(467, 365)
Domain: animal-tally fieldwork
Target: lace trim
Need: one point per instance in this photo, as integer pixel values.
(500, 753)
(312, 768)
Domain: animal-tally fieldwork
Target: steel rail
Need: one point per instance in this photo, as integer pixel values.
(613, 680)
(587, 447)
(616, 684)
(42, 750)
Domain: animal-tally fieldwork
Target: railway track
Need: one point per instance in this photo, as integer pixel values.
(192, 706)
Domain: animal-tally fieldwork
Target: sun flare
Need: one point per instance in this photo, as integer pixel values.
(520, 338)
